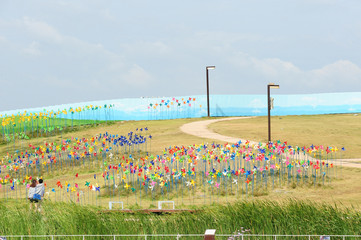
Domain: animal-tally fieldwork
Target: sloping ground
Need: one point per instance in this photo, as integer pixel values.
(200, 129)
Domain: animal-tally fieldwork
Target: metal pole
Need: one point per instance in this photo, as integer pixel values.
(269, 113)
(207, 92)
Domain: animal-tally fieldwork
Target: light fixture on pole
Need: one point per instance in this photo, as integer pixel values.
(269, 86)
(208, 67)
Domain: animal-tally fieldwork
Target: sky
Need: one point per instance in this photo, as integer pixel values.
(59, 52)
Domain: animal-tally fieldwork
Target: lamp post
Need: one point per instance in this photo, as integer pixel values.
(208, 67)
(269, 86)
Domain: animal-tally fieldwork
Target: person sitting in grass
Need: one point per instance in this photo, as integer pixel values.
(31, 193)
(39, 193)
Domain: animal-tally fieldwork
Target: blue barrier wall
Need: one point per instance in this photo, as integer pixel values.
(220, 105)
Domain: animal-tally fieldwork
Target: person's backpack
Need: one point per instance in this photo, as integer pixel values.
(37, 197)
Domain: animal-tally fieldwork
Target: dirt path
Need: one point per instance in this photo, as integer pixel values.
(200, 129)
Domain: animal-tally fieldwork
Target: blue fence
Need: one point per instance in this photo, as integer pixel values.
(220, 105)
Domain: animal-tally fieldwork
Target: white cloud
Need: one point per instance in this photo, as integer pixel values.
(97, 66)
(147, 48)
(341, 70)
(339, 75)
(45, 32)
(33, 49)
(325, 2)
(272, 67)
(92, 47)
(42, 29)
(229, 37)
(137, 77)
(106, 14)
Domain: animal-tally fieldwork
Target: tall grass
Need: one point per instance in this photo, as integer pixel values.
(292, 217)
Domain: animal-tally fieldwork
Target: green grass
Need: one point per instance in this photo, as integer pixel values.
(44, 128)
(38, 123)
(261, 217)
(340, 130)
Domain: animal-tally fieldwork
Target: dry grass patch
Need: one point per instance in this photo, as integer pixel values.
(340, 130)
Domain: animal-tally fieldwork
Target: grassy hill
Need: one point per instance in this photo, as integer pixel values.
(331, 209)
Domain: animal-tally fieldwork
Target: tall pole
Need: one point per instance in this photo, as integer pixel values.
(207, 68)
(207, 92)
(269, 112)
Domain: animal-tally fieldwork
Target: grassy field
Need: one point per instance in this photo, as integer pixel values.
(341, 130)
(311, 210)
(261, 217)
(166, 132)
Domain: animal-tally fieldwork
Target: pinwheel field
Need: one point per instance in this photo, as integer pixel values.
(88, 164)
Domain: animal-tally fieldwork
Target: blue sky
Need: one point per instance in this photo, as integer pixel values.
(57, 52)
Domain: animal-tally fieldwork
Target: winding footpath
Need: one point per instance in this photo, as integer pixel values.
(200, 129)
